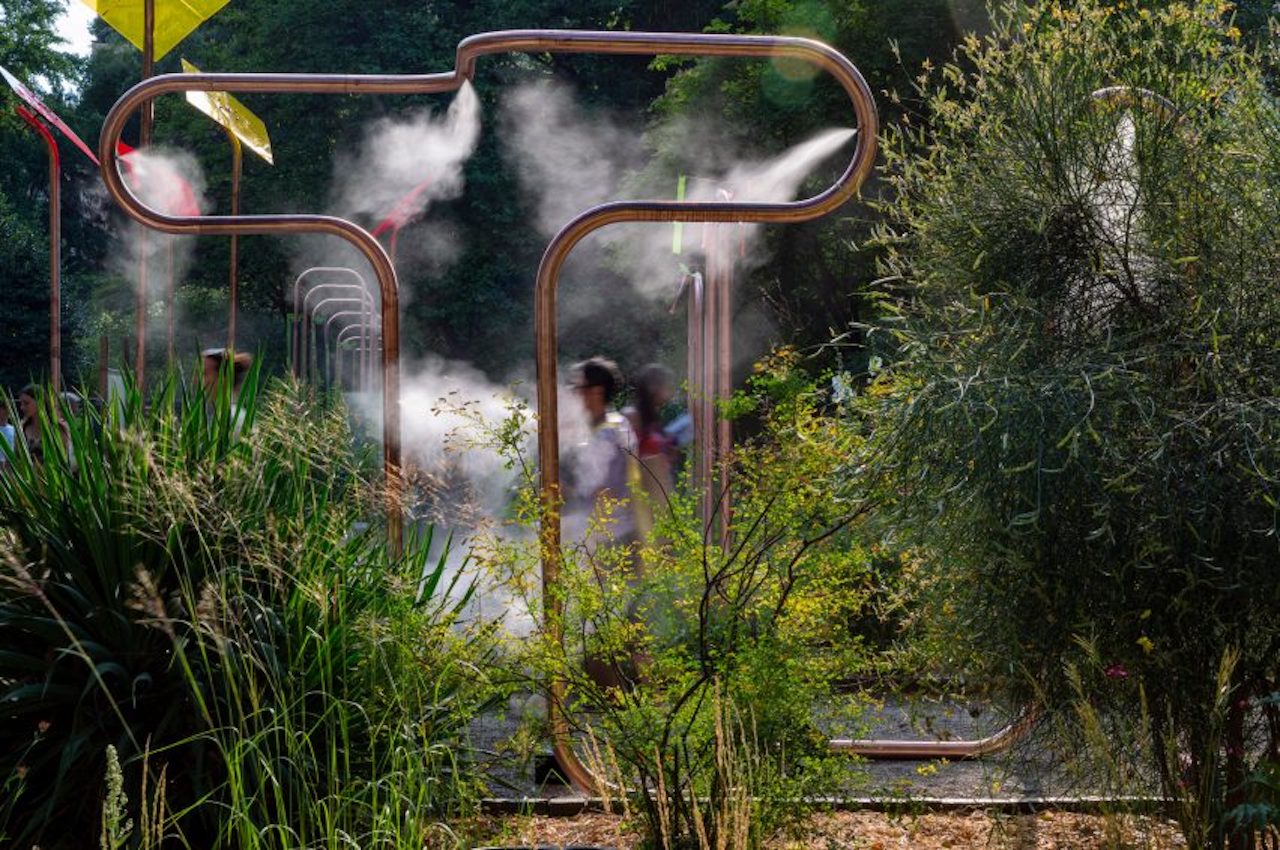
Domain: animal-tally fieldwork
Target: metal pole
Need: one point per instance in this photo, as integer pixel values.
(724, 371)
(469, 51)
(144, 141)
(707, 458)
(55, 249)
(237, 164)
(169, 301)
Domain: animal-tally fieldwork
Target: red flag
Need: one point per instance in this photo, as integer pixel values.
(30, 98)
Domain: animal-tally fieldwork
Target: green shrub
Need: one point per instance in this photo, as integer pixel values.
(201, 590)
(727, 654)
(1078, 426)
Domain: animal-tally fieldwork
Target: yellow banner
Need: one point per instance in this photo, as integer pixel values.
(174, 19)
(233, 115)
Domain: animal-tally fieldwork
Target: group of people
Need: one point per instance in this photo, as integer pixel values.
(30, 406)
(624, 471)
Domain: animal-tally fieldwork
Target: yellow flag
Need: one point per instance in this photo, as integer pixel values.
(174, 19)
(233, 115)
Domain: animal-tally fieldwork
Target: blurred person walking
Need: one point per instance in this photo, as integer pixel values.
(654, 386)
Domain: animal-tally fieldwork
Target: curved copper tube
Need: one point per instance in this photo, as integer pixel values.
(306, 313)
(296, 330)
(369, 336)
(1002, 739)
(237, 166)
(311, 314)
(821, 55)
(55, 248)
(955, 750)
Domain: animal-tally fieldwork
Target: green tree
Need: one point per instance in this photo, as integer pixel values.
(30, 49)
(1079, 430)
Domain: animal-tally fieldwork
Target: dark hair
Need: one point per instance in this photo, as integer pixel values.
(600, 372)
(646, 383)
(31, 390)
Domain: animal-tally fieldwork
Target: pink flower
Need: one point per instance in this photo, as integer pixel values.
(1116, 671)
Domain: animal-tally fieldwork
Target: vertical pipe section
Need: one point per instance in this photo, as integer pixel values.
(55, 248)
(237, 165)
(146, 120)
(563, 243)
(170, 284)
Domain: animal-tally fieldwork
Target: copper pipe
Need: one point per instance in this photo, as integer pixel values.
(365, 339)
(558, 250)
(956, 750)
(146, 120)
(295, 341)
(707, 448)
(307, 311)
(517, 41)
(1131, 97)
(693, 367)
(55, 248)
(140, 316)
(169, 302)
(1134, 97)
(237, 165)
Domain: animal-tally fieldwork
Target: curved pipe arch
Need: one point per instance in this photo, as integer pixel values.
(368, 335)
(310, 312)
(328, 324)
(305, 315)
(295, 339)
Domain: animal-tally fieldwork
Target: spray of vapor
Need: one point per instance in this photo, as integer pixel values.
(401, 165)
(462, 482)
(397, 155)
(172, 182)
(568, 161)
(459, 480)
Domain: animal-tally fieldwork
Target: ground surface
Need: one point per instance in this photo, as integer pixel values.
(1033, 770)
(873, 831)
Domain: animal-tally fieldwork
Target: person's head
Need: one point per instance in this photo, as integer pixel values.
(654, 385)
(215, 360)
(596, 381)
(29, 403)
(4, 409)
